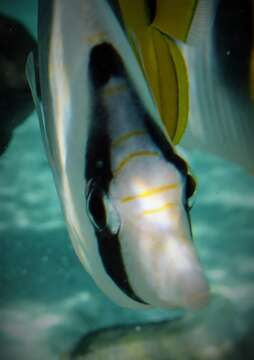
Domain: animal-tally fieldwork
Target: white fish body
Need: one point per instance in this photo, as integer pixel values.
(123, 189)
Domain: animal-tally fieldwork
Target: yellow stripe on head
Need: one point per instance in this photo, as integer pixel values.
(112, 90)
(133, 156)
(96, 38)
(149, 192)
(121, 139)
(160, 209)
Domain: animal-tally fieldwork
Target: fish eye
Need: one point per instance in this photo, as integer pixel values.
(101, 210)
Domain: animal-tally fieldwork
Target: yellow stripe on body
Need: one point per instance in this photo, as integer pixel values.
(149, 192)
(96, 38)
(133, 156)
(122, 138)
(162, 208)
(112, 90)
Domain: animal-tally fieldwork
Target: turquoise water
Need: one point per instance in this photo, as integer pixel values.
(47, 299)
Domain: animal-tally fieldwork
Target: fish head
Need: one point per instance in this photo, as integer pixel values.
(155, 235)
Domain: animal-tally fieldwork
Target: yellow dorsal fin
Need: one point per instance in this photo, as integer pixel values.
(161, 60)
(174, 17)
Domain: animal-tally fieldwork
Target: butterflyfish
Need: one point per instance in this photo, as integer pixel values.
(123, 188)
(197, 56)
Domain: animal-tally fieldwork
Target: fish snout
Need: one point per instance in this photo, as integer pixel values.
(166, 272)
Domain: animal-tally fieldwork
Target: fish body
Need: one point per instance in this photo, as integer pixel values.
(123, 188)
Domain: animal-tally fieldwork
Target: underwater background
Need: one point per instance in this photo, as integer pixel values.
(48, 301)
